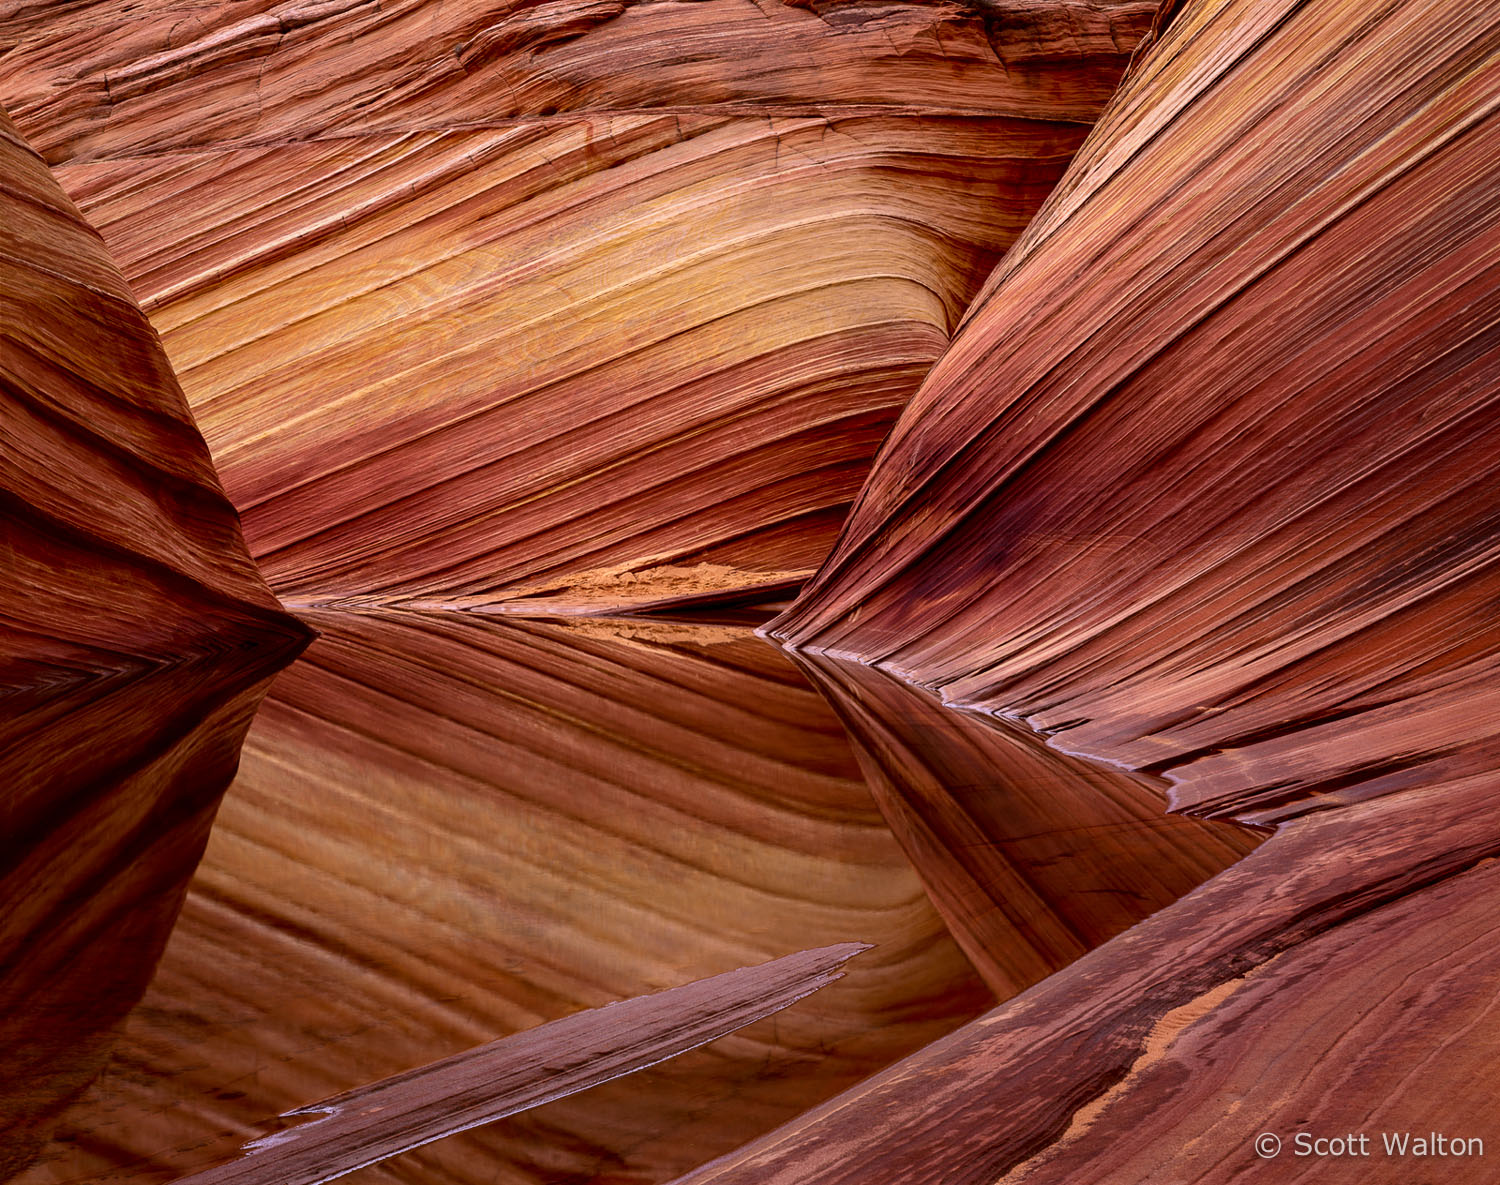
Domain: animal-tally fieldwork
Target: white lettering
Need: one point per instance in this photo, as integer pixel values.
(1432, 1144)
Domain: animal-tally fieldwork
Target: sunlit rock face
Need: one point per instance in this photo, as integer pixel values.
(582, 303)
(1206, 484)
(457, 367)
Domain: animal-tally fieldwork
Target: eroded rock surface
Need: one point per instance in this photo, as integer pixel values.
(469, 312)
(121, 551)
(136, 637)
(1206, 484)
(447, 829)
(1032, 857)
(558, 308)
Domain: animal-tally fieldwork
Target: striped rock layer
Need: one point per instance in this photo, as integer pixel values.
(1206, 484)
(447, 829)
(1341, 978)
(1032, 857)
(109, 793)
(102, 79)
(135, 638)
(375, 1122)
(121, 551)
(470, 314)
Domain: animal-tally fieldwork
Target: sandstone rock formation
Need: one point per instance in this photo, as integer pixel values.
(354, 1130)
(1225, 510)
(467, 312)
(101, 78)
(1033, 858)
(121, 551)
(135, 639)
(1341, 977)
(447, 829)
(109, 793)
(558, 309)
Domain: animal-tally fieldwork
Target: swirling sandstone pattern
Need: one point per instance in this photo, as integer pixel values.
(1223, 510)
(447, 829)
(1226, 509)
(106, 78)
(573, 305)
(135, 638)
(459, 367)
(1341, 973)
(383, 1119)
(1032, 857)
(121, 551)
(107, 794)
(468, 313)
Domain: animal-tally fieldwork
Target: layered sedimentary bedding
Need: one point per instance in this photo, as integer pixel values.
(1096, 472)
(467, 312)
(1032, 857)
(1338, 979)
(1227, 511)
(447, 829)
(1224, 513)
(109, 794)
(374, 1122)
(121, 549)
(100, 78)
(136, 637)
(526, 356)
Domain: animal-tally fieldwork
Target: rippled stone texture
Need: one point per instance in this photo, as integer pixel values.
(1207, 484)
(107, 78)
(109, 794)
(350, 1131)
(135, 639)
(121, 551)
(469, 312)
(459, 367)
(1032, 857)
(575, 306)
(448, 828)
(1343, 973)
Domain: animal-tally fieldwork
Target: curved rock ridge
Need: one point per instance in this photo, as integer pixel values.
(136, 637)
(111, 78)
(1340, 978)
(121, 551)
(107, 793)
(1032, 857)
(562, 361)
(1206, 484)
(372, 1123)
(470, 314)
(449, 828)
